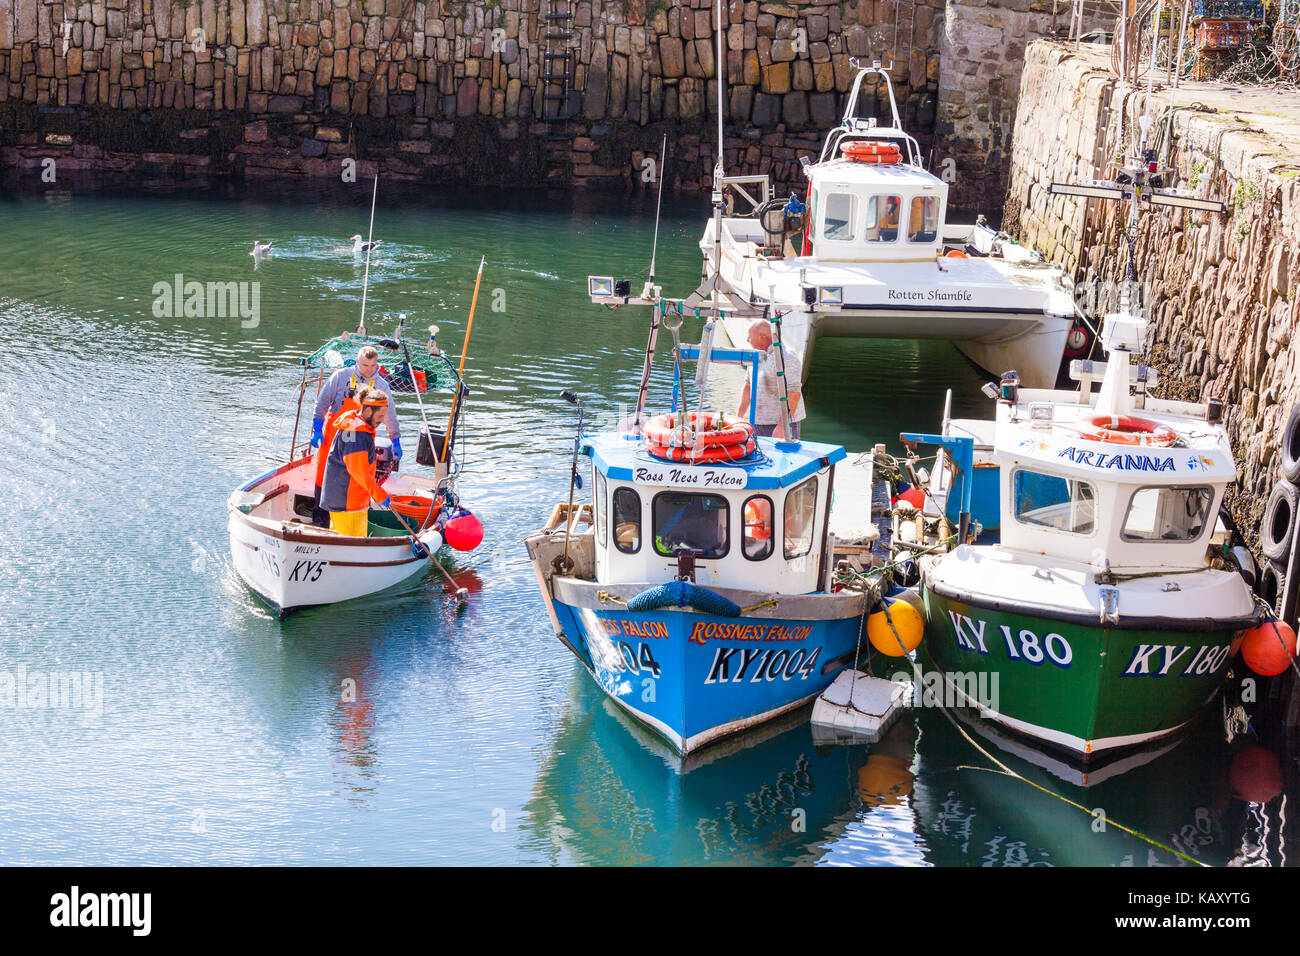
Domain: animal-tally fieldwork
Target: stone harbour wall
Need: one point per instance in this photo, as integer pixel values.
(449, 91)
(1222, 294)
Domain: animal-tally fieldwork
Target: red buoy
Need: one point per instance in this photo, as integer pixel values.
(462, 530)
(1255, 775)
(1269, 648)
(914, 496)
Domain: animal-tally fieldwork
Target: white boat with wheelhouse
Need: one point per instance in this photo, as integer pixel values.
(698, 587)
(868, 252)
(291, 563)
(1111, 603)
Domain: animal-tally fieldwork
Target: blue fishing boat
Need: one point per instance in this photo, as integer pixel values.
(699, 587)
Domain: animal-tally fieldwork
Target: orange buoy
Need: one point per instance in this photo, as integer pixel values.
(1255, 775)
(884, 780)
(1127, 430)
(1269, 648)
(956, 254)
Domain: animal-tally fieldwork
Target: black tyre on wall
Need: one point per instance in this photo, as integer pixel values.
(1277, 531)
(1272, 583)
(1291, 446)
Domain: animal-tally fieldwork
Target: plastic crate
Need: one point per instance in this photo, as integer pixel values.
(1228, 9)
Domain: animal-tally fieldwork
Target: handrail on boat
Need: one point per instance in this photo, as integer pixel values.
(854, 127)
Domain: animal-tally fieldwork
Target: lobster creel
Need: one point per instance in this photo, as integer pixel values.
(705, 437)
(871, 151)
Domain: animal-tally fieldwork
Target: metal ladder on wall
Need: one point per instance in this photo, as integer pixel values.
(557, 86)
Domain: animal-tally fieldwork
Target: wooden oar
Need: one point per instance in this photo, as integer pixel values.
(461, 593)
(464, 350)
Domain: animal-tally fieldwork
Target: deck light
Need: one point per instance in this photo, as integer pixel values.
(832, 295)
(623, 288)
(600, 285)
(1040, 414)
(1009, 387)
(1213, 412)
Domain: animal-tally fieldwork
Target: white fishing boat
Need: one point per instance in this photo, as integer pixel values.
(869, 253)
(1109, 606)
(711, 586)
(290, 562)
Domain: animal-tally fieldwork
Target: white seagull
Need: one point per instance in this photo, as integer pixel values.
(261, 248)
(359, 247)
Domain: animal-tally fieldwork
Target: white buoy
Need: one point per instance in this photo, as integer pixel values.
(858, 708)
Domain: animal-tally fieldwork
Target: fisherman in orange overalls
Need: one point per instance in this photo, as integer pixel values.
(337, 397)
(349, 481)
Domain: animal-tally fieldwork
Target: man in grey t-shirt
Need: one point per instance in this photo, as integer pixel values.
(767, 412)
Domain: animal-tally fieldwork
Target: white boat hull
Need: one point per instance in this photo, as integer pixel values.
(291, 564)
(1000, 313)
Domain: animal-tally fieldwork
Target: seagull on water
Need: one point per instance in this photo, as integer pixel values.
(358, 246)
(261, 248)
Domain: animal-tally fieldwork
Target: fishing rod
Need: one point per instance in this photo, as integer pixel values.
(464, 350)
(365, 284)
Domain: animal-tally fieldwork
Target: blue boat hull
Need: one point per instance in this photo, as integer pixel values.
(694, 678)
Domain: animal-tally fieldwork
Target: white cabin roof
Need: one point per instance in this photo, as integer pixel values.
(895, 176)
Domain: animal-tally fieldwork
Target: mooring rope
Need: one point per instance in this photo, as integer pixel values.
(614, 599)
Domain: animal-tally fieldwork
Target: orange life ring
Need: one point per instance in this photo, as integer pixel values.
(416, 508)
(872, 151)
(1127, 430)
(697, 430)
(956, 254)
(756, 526)
(705, 456)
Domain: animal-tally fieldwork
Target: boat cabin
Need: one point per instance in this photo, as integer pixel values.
(863, 212)
(1134, 506)
(759, 525)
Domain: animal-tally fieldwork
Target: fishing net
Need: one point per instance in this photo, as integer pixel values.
(429, 371)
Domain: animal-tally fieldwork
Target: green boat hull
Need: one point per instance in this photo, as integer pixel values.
(1079, 688)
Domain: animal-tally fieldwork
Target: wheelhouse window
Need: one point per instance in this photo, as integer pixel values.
(1053, 501)
(627, 520)
(602, 488)
(923, 225)
(882, 218)
(685, 519)
(841, 215)
(758, 527)
(800, 515)
(1167, 514)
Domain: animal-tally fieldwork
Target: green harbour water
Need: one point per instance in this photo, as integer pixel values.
(394, 730)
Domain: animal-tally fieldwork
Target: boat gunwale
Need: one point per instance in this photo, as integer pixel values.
(1131, 623)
